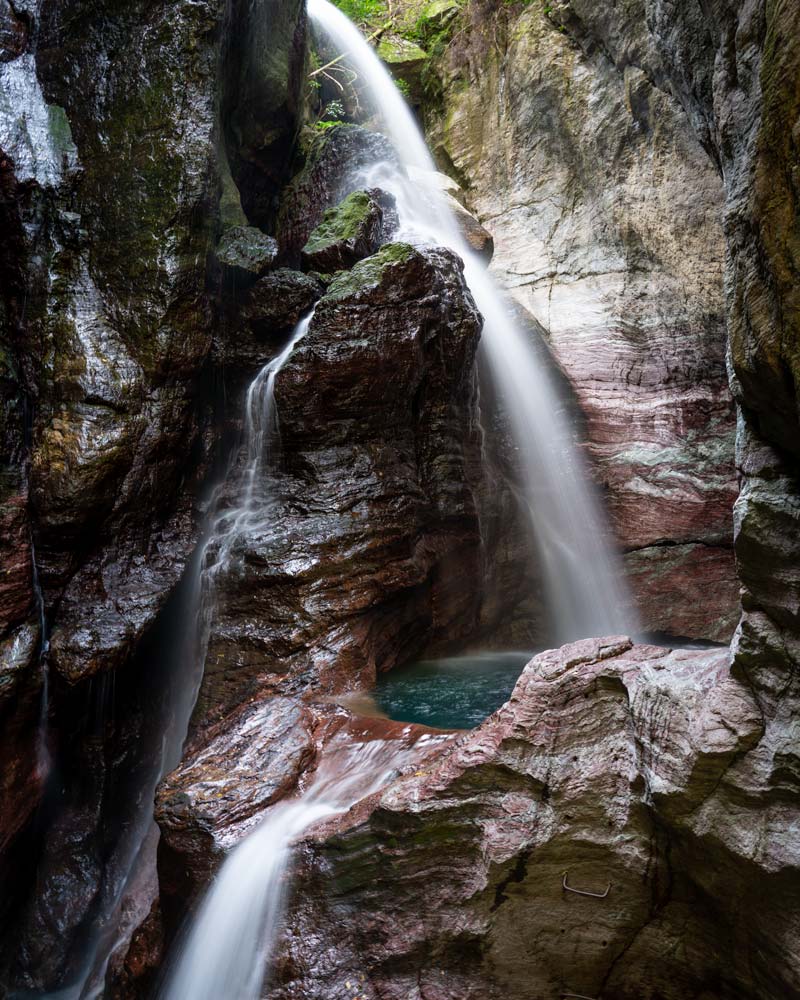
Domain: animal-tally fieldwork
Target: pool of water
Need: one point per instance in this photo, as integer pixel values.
(453, 693)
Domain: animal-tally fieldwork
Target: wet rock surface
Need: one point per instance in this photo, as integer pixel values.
(663, 784)
(245, 254)
(593, 776)
(606, 213)
(217, 796)
(370, 529)
(110, 171)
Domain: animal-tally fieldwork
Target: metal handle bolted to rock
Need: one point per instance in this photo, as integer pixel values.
(583, 892)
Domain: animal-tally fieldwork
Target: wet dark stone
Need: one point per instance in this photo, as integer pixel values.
(278, 301)
(370, 548)
(245, 254)
(335, 160)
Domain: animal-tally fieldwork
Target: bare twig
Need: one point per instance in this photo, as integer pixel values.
(334, 80)
(344, 55)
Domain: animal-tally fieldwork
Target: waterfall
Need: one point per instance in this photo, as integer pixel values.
(183, 671)
(582, 576)
(228, 945)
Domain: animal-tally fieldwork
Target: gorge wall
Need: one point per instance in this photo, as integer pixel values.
(638, 170)
(607, 218)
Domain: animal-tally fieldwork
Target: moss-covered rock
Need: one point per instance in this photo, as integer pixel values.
(406, 60)
(348, 232)
(332, 161)
(370, 274)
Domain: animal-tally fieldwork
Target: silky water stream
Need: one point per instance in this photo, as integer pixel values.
(226, 949)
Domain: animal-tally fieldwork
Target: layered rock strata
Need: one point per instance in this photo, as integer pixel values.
(368, 546)
(606, 213)
(592, 848)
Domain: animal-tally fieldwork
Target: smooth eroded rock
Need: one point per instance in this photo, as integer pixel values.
(588, 779)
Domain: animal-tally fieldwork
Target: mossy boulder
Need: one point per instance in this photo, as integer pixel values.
(438, 13)
(350, 231)
(246, 254)
(406, 60)
(333, 160)
(370, 274)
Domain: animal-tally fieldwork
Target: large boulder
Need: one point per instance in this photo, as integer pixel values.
(372, 539)
(577, 827)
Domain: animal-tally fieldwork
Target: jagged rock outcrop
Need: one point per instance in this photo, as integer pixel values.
(606, 213)
(369, 538)
(600, 774)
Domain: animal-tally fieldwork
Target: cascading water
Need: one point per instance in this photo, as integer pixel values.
(583, 583)
(228, 945)
(229, 942)
(134, 853)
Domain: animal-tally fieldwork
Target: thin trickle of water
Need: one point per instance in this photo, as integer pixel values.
(582, 576)
(43, 760)
(230, 942)
(260, 440)
(184, 674)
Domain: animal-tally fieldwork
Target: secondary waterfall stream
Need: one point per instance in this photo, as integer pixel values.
(229, 943)
(583, 583)
(228, 522)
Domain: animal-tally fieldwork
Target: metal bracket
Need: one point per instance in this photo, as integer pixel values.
(583, 892)
(578, 996)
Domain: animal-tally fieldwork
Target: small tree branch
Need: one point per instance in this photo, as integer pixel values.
(378, 31)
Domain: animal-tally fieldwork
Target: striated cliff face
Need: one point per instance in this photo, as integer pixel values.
(112, 166)
(636, 164)
(606, 212)
(668, 781)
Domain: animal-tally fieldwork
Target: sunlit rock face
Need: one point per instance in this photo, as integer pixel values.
(606, 213)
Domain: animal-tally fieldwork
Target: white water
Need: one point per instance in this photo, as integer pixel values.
(135, 851)
(583, 578)
(261, 436)
(230, 941)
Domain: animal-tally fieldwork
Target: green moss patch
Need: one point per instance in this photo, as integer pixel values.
(343, 222)
(368, 273)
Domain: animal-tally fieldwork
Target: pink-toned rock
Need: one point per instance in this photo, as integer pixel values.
(457, 885)
(606, 213)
